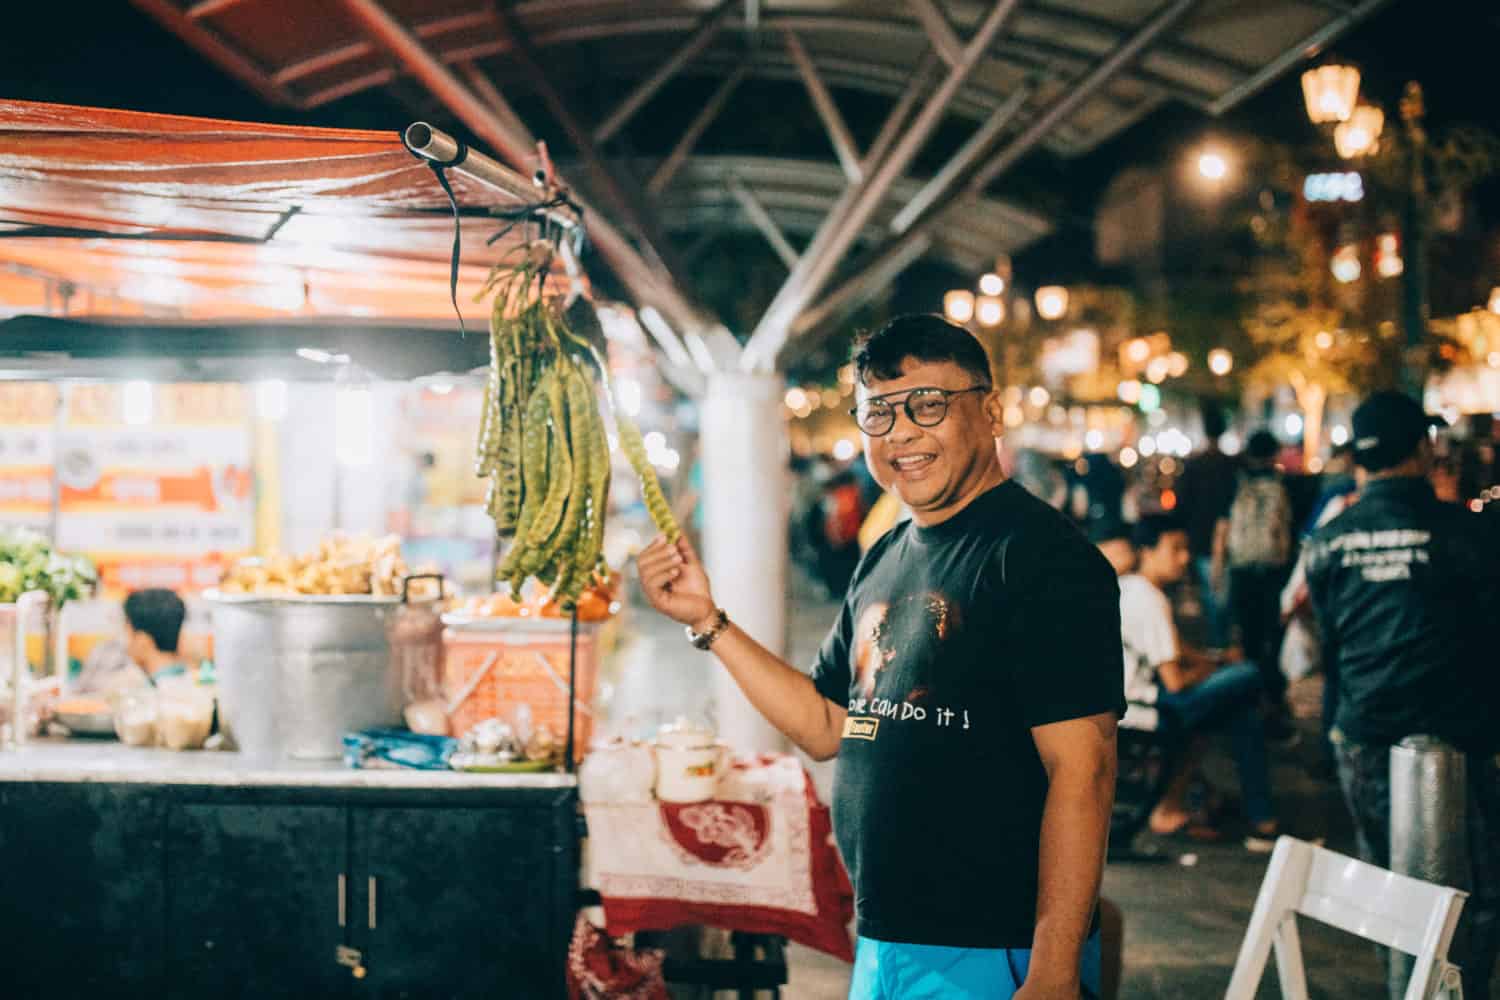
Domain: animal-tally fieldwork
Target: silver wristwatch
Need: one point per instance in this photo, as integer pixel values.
(703, 640)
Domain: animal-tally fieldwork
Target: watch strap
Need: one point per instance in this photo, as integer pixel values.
(705, 639)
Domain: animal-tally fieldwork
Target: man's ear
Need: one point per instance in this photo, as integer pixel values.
(994, 409)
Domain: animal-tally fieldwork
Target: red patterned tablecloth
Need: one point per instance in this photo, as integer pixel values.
(759, 858)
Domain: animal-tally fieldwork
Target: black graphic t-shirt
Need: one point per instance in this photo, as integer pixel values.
(953, 642)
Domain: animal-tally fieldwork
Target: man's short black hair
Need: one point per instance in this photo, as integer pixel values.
(1262, 446)
(1214, 424)
(1150, 528)
(159, 614)
(923, 336)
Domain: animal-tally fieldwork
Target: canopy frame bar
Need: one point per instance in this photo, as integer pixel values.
(845, 223)
(624, 196)
(916, 230)
(950, 48)
(833, 122)
(644, 282)
(695, 43)
(761, 218)
(705, 117)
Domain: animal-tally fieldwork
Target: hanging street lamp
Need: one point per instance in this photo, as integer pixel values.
(958, 305)
(1052, 302)
(1330, 92)
(989, 310)
(1360, 135)
(1345, 264)
(1388, 262)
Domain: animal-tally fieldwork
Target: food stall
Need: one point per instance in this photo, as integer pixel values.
(255, 268)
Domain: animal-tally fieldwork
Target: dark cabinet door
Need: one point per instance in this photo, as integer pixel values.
(458, 903)
(81, 890)
(254, 900)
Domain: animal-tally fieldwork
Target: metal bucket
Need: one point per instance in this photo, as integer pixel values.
(296, 674)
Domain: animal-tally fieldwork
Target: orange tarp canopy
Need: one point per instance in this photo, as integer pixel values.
(193, 218)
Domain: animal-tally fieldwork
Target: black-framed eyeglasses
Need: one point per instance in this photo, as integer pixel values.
(925, 407)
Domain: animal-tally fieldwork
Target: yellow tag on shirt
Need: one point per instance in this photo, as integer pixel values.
(860, 728)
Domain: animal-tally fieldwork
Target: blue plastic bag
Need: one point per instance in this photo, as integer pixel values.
(389, 748)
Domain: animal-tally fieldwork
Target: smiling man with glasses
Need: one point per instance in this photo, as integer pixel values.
(970, 690)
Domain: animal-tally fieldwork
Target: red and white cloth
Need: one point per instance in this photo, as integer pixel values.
(759, 858)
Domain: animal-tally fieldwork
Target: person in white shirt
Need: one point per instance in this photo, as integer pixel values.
(1187, 691)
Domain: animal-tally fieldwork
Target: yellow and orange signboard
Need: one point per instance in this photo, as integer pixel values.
(28, 419)
(155, 482)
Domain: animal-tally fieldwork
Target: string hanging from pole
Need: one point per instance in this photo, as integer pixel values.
(545, 179)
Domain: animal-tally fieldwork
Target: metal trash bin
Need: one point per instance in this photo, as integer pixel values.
(296, 673)
(1429, 824)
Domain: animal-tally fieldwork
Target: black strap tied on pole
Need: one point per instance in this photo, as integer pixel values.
(440, 170)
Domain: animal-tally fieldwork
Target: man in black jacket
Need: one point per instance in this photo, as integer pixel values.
(1403, 585)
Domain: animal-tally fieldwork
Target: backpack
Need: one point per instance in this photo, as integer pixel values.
(843, 514)
(1260, 523)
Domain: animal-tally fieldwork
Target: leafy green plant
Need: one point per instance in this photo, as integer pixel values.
(29, 562)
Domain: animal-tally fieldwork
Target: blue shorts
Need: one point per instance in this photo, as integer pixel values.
(886, 970)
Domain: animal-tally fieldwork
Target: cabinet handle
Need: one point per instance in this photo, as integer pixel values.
(372, 902)
(343, 899)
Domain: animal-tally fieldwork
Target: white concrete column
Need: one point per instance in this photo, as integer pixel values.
(746, 512)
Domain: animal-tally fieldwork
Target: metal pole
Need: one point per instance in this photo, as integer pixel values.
(859, 288)
(900, 112)
(1414, 235)
(975, 147)
(644, 284)
(572, 688)
(648, 87)
(829, 245)
(705, 117)
(432, 143)
(1161, 22)
(1305, 49)
(762, 220)
(944, 39)
(626, 198)
(1428, 824)
(1107, 70)
(485, 88)
(838, 132)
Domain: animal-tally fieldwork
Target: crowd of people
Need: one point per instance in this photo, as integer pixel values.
(1390, 591)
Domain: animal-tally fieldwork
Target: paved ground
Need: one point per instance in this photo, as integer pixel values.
(1183, 921)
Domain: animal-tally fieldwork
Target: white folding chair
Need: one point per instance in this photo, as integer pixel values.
(1399, 912)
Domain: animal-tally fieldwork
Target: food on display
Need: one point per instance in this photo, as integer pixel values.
(542, 442)
(596, 604)
(82, 706)
(185, 716)
(429, 717)
(341, 564)
(29, 562)
(136, 717)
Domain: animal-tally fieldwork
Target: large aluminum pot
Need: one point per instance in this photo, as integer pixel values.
(297, 673)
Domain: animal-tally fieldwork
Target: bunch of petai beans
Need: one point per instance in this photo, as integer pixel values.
(542, 441)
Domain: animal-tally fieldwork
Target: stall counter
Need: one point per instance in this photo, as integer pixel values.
(80, 760)
(128, 872)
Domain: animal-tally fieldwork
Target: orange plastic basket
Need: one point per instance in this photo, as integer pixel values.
(530, 668)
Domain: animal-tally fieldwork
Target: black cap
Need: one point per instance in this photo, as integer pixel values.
(1388, 427)
(1262, 446)
(1108, 529)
